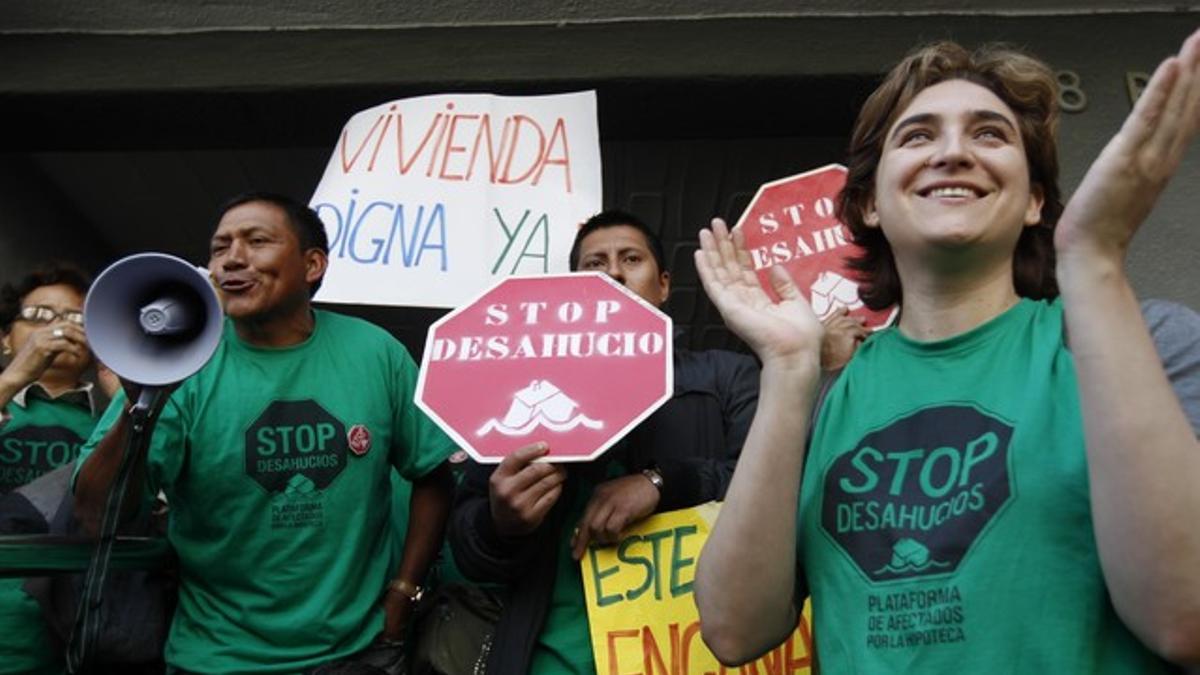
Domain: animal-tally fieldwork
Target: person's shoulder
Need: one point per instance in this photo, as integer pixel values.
(338, 321)
(1167, 314)
(345, 326)
(876, 340)
(1173, 326)
(365, 336)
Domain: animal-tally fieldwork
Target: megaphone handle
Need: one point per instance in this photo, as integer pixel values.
(147, 401)
(86, 629)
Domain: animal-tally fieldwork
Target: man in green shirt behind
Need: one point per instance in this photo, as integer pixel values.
(275, 460)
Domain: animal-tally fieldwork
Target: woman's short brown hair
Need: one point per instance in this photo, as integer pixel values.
(1028, 87)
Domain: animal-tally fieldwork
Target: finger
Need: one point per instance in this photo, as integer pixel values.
(613, 527)
(555, 478)
(725, 245)
(847, 328)
(715, 250)
(1189, 53)
(528, 478)
(719, 227)
(1175, 127)
(591, 527)
(544, 503)
(50, 342)
(75, 349)
(706, 238)
(521, 499)
(70, 338)
(1189, 83)
(781, 281)
(589, 512)
(708, 265)
(703, 255)
(745, 262)
(579, 542)
(47, 337)
(845, 322)
(1190, 57)
(73, 332)
(1171, 115)
(1142, 122)
(521, 458)
(595, 514)
(730, 258)
(839, 321)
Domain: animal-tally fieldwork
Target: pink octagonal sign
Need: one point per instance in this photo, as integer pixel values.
(792, 222)
(575, 360)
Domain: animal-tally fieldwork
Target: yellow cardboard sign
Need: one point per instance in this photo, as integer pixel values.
(641, 614)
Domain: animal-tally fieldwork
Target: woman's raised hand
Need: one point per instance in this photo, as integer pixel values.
(1124, 182)
(786, 332)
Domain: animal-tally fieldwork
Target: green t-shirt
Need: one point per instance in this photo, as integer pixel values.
(40, 435)
(276, 463)
(944, 521)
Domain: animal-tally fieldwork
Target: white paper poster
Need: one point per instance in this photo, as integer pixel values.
(427, 201)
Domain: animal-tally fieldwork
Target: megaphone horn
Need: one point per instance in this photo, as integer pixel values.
(153, 319)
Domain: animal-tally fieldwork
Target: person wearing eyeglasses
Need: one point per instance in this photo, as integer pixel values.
(47, 410)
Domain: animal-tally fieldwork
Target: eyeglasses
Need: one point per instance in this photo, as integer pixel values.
(44, 314)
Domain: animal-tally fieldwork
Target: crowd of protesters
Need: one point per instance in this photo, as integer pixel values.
(1018, 450)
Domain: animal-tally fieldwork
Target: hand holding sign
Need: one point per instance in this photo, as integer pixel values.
(615, 505)
(521, 491)
(843, 334)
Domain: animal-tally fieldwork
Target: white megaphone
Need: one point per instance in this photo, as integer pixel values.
(153, 319)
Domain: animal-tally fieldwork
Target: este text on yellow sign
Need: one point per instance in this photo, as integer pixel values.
(641, 614)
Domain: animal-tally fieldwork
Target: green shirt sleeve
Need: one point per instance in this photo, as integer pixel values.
(420, 445)
(168, 443)
(107, 420)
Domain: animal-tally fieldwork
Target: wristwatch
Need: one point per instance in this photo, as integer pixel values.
(408, 589)
(654, 477)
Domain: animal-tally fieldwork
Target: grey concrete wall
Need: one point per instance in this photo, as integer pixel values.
(131, 16)
(1162, 261)
(548, 54)
(54, 47)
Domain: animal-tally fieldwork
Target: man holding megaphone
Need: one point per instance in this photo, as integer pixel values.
(275, 460)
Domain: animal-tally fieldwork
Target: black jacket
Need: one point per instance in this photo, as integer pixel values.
(693, 440)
